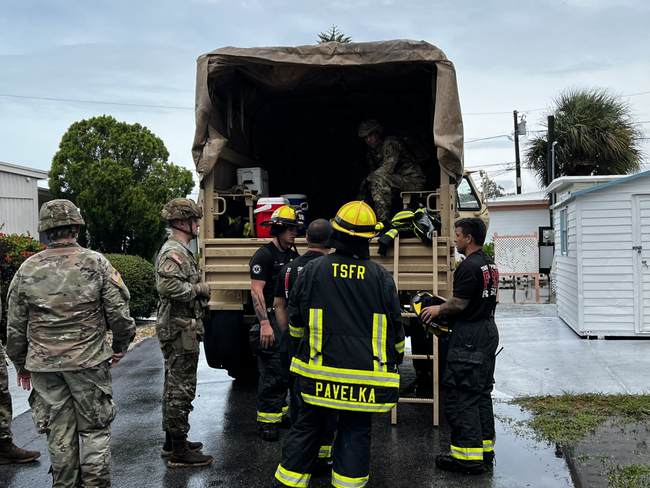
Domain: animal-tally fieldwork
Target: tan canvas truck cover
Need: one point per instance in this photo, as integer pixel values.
(288, 68)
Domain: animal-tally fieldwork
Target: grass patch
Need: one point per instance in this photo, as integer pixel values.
(567, 418)
(630, 476)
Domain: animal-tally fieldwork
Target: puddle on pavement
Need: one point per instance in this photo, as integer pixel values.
(522, 461)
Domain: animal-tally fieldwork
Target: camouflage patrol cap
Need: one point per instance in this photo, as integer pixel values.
(181, 209)
(369, 126)
(58, 213)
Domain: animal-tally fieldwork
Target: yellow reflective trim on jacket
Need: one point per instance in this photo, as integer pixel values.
(269, 417)
(347, 405)
(341, 375)
(296, 332)
(340, 481)
(379, 331)
(285, 410)
(488, 446)
(315, 336)
(399, 347)
(467, 453)
(325, 452)
(291, 478)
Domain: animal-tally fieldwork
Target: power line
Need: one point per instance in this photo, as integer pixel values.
(487, 138)
(94, 102)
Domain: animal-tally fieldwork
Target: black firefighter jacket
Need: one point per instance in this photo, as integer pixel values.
(353, 337)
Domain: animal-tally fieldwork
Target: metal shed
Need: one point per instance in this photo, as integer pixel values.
(19, 201)
(602, 253)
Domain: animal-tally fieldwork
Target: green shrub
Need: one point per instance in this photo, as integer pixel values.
(489, 249)
(140, 278)
(14, 249)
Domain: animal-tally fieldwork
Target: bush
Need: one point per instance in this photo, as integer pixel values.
(14, 249)
(140, 278)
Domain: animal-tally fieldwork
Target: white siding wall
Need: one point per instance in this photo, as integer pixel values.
(516, 222)
(18, 204)
(608, 259)
(566, 269)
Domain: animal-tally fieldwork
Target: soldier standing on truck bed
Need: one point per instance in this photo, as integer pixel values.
(347, 362)
(272, 352)
(318, 245)
(179, 326)
(469, 372)
(394, 168)
(61, 303)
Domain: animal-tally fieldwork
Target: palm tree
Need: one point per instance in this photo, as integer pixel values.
(333, 35)
(595, 135)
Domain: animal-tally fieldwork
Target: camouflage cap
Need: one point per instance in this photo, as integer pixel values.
(181, 209)
(369, 126)
(58, 213)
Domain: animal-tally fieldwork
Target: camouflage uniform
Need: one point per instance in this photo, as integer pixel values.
(395, 169)
(62, 301)
(5, 397)
(179, 328)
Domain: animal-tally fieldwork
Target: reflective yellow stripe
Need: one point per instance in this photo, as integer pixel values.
(315, 336)
(285, 410)
(291, 478)
(379, 331)
(488, 446)
(347, 405)
(340, 375)
(399, 347)
(296, 332)
(340, 481)
(467, 453)
(325, 452)
(269, 417)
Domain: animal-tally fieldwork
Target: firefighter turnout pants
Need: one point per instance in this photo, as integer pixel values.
(273, 383)
(350, 452)
(468, 382)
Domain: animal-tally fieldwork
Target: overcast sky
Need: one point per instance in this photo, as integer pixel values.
(508, 55)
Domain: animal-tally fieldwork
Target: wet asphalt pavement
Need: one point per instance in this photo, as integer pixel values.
(223, 419)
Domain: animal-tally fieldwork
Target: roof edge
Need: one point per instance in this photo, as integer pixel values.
(23, 170)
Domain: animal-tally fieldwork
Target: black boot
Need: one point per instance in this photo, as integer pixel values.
(182, 456)
(449, 463)
(166, 449)
(268, 432)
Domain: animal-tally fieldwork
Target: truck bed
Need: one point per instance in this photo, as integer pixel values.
(225, 264)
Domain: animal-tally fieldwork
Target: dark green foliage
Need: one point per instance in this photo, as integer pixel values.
(488, 247)
(596, 136)
(333, 35)
(140, 278)
(14, 249)
(118, 175)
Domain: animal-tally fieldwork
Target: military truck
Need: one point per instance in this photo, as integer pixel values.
(294, 111)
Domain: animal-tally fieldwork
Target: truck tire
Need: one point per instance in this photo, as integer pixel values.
(226, 344)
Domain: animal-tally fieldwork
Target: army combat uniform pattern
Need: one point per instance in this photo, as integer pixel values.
(395, 169)
(61, 303)
(346, 364)
(179, 328)
(6, 412)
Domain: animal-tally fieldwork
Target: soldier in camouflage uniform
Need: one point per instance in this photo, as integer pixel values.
(62, 301)
(394, 168)
(180, 328)
(9, 452)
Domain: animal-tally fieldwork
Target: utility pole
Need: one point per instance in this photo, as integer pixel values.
(550, 158)
(517, 161)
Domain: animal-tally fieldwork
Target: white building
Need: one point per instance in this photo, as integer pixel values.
(518, 214)
(602, 253)
(19, 202)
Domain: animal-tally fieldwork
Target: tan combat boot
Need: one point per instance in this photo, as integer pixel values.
(12, 454)
(183, 457)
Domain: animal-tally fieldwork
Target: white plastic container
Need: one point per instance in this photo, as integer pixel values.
(255, 179)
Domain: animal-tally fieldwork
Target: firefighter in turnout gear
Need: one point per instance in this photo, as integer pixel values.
(346, 364)
(268, 339)
(179, 327)
(318, 245)
(469, 371)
